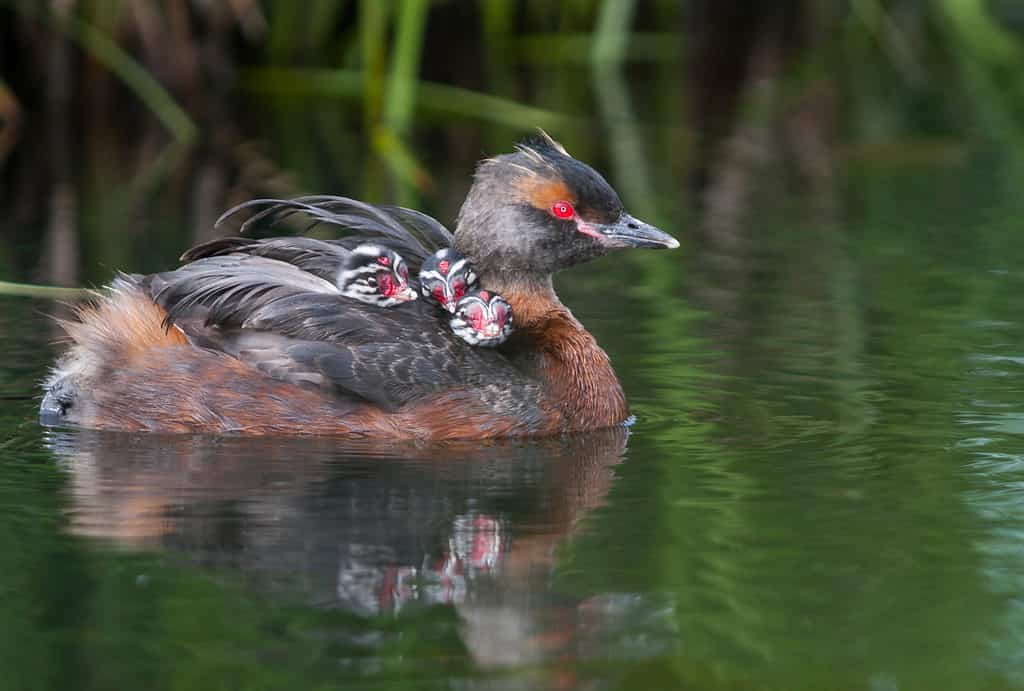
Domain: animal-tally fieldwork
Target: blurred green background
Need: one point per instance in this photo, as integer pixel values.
(126, 123)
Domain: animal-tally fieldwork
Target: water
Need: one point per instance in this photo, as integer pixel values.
(824, 486)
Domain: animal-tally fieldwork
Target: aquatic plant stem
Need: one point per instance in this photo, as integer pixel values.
(405, 64)
(373, 45)
(611, 37)
(39, 291)
(105, 51)
(431, 96)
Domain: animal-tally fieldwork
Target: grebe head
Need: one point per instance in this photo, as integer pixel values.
(375, 275)
(538, 210)
(482, 318)
(445, 277)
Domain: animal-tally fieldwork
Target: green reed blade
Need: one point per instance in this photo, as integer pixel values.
(405, 64)
(431, 96)
(105, 51)
(39, 291)
(611, 36)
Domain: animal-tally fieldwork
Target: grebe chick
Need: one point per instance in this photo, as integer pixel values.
(445, 277)
(482, 318)
(375, 275)
(368, 272)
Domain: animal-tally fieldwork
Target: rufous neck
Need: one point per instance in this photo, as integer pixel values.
(552, 345)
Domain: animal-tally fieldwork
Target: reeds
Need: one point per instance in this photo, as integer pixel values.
(105, 50)
(39, 291)
(370, 50)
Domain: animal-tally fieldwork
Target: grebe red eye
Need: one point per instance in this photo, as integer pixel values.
(385, 284)
(438, 294)
(562, 210)
(458, 290)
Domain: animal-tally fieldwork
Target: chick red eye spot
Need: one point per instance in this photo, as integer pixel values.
(383, 261)
(443, 266)
(476, 319)
(484, 295)
(562, 210)
(386, 284)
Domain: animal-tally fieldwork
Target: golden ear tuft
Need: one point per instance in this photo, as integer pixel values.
(542, 192)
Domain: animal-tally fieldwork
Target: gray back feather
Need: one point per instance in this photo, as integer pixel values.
(273, 303)
(412, 234)
(323, 259)
(228, 287)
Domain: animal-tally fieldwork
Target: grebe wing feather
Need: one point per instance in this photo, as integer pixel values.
(281, 320)
(220, 285)
(389, 375)
(413, 235)
(323, 259)
(353, 356)
(428, 227)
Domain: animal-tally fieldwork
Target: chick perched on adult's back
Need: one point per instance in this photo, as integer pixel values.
(482, 318)
(370, 273)
(479, 317)
(445, 277)
(375, 275)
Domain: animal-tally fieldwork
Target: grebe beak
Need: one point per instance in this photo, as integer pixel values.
(632, 232)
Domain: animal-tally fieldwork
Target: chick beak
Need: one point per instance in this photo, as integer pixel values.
(449, 305)
(632, 232)
(491, 330)
(406, 294)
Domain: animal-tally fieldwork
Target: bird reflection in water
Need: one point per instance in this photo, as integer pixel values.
(367, 527)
